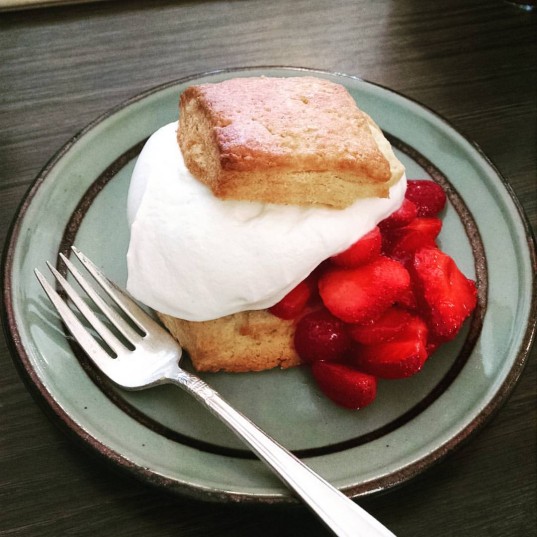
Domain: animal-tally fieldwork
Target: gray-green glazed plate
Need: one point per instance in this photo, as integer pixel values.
(164, 437)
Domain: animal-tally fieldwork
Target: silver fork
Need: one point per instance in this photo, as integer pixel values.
(154, 358)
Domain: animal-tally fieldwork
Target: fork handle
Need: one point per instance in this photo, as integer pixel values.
(344, 517)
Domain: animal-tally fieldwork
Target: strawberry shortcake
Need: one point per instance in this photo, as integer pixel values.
(273, 226)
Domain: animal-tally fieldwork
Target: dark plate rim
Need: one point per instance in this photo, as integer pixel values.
(46, 399)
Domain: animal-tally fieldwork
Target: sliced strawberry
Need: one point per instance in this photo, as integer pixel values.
(428, 196)
(403, 216)
(401, 356)
(321, 336)
(362, 251)
(345, 385)
(402, 242)
(363, 293)
(447, 295)
(385, 328)
(408, 299)
(293, 303)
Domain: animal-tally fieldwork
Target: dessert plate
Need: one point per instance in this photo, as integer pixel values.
(164, 437)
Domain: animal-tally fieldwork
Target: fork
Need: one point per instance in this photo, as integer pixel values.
(152, 357)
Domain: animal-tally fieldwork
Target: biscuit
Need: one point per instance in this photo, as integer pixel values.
(297, 140)
(246, 341)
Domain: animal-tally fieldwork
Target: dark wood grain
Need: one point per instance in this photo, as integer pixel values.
(474, 62)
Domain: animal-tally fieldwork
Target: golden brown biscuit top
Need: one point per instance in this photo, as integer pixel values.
(296, 123)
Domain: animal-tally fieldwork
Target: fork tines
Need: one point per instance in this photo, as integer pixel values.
(75, 326)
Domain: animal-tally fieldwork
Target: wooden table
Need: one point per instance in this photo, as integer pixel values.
(474, 62)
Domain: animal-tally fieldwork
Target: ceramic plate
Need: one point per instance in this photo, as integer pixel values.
(163, 436)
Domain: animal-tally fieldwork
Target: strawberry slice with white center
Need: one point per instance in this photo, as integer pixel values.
(400, 356)
(447, 296)
(363, 293)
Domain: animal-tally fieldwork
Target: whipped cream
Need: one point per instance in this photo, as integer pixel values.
(197, 257)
